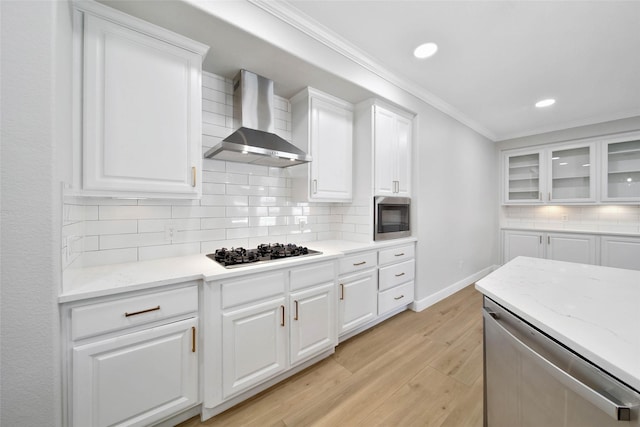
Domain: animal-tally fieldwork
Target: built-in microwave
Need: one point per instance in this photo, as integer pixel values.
(391, 218)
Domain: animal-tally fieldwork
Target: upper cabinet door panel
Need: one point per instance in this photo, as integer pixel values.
(331, 150)
(385, 142)
(572, 174)
(523, 181)
(141, 112)
(621, 171)
(403, 173)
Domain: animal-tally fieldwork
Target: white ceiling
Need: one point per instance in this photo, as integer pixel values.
(495, 58)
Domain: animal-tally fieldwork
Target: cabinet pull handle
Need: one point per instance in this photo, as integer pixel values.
(126, 314)
(401, 274)
(193, 339)
(548, 240)
(540, 195)
(295, 317)
(359, 263)
(193, 176)
(541, 239)
(315, 186)
(400, 297)
(400, 254)
(341, 291)
(282, 319)
(549, 196)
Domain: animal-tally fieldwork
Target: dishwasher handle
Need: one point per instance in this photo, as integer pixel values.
(618, 411)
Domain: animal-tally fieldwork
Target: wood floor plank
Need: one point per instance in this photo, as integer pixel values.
(415, 369)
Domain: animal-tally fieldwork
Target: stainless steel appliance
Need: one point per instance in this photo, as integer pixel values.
(238, 257)
(254, 140)
(391, 218)
(532, 380)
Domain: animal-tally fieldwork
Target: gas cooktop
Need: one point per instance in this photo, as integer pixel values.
(239, 257)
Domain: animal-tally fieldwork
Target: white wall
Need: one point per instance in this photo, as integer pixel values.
(35, 116)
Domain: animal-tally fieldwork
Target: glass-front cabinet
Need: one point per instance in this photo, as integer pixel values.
(524, 177)
(621, 171)
(571, 174)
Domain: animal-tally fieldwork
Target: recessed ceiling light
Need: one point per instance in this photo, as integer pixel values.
(425, 50)
(545, 102)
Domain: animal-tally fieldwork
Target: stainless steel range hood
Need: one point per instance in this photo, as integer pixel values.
(254, 141)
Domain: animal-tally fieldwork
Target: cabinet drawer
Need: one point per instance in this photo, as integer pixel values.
(314, 274)
(126, 312)
(397, 254)
(357, 262)
(395, 297)
(252, 288)
(396, 274)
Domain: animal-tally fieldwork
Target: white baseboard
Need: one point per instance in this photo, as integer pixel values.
(420, 305)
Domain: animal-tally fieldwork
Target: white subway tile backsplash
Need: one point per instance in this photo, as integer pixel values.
(164, 251)
(111, 227)
(133, 212)
(241, 205)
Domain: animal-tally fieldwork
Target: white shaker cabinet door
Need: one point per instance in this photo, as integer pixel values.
(522, 243)
(253, 345)
(403, 163)
(141, 113)
(572, 248)
(620, 252)
(313, 324)
(357, 300)
(385, 152)
(136, 379)
(331, 150)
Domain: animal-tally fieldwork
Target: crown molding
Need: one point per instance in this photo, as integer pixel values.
(290, 15)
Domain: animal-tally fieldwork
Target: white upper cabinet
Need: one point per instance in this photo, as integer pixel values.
(323, 127)
(141, 107)
(621, 171)
(571, 176)
(523, 176)
(392, 134)
(561, 174)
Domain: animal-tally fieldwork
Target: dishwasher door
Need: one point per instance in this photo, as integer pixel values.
(532, 381)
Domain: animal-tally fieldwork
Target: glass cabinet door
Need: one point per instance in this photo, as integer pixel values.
(572, 174)
(622, 171)
(523, 178)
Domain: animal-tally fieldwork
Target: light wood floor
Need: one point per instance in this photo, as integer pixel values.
(415, 369)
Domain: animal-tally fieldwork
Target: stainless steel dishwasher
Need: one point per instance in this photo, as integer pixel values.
(532, 380)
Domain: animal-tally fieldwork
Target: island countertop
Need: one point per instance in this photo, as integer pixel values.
(593, 310)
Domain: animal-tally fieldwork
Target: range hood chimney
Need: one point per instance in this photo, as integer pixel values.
(254, 140)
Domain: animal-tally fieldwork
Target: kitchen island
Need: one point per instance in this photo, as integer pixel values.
(592, 311)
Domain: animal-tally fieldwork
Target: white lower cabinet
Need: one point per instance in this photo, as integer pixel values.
(580, 248)
(253, 345)
(273, 322)
(620, 252)
(312, 328)
(395, 277)
(137, 361)
(358, 300)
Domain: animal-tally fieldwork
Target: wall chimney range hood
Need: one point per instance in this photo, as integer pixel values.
(254, 141)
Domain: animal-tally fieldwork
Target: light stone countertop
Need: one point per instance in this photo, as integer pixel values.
(100, 281)
(550, 229)
(593, 310)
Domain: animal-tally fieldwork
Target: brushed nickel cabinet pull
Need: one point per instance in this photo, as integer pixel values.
(193, 176)
(400, 254)
(141, 311)
(541, 239)
(400, 297)
(548, 240)
(341, 291)
(282, 319)
(549, 196)
(359, 263)
(315, 186)
(193, 339)
(401, 274)
(295, 316)
(540, 195)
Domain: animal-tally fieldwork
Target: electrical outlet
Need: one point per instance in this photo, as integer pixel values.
(169, 232)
